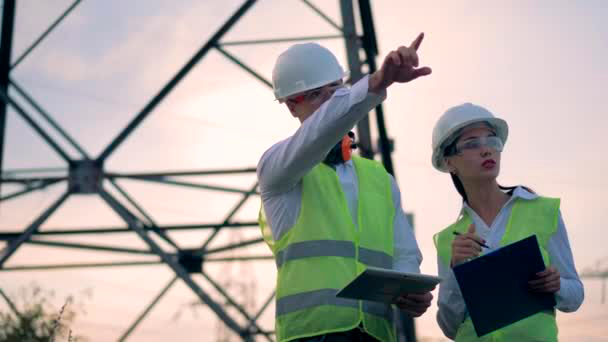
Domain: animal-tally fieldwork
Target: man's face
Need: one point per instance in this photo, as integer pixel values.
(303, 105)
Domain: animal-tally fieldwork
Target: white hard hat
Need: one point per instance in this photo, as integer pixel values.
(456, 118)
(304, 67)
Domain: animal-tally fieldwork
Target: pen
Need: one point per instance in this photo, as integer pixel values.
(479, 243)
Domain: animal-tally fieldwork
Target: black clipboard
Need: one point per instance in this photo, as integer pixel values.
(384, 285)
(495, 286)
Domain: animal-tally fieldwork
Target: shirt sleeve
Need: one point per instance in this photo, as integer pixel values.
(407, 256)
(451, 306)
(284, 164)
(571, 293)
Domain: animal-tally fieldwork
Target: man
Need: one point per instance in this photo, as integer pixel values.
(326, 216)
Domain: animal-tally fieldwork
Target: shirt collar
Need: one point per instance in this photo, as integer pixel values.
(519, 192)
(348, 163)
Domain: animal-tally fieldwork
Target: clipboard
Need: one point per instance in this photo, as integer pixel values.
(384, 285)
(495, 286)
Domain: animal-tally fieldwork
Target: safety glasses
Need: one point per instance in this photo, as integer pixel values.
(492, 142)
(313, 94)
(308, 96)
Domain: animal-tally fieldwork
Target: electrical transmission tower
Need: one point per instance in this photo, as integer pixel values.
(599, 271)
(85, 174)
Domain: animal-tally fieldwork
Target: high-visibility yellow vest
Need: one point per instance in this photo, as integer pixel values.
(324, 251)
(538, 216)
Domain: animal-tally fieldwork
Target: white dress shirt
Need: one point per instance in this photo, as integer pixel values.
(570, 296)
(282, 167)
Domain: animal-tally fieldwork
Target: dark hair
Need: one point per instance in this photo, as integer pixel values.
(460, 188)
(451, 150)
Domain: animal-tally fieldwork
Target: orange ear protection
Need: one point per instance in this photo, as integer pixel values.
(342, 151)
(347, 151)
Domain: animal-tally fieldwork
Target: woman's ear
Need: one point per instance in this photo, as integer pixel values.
(450, 166)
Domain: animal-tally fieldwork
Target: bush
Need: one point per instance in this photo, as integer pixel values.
(32, 318)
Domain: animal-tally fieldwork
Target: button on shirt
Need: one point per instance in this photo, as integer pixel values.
(570, 296)
(282, 167)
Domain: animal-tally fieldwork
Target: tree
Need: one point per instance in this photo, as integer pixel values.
(32, 318)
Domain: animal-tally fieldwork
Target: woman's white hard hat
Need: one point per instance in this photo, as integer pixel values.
(304, 67)
(449, 125)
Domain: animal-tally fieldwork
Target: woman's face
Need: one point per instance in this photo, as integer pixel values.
(477, 154)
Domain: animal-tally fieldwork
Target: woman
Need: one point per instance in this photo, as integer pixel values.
(467, 143)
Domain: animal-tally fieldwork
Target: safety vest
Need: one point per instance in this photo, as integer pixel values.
(324, 251)
(528, 217)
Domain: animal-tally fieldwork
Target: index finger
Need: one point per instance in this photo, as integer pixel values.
(416, 43)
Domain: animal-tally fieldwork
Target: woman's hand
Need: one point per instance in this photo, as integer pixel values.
(466, 246)
(546, 281)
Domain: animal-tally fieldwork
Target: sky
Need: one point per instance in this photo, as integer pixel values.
(538, 65)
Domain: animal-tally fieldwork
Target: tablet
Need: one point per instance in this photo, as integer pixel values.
(385, 285)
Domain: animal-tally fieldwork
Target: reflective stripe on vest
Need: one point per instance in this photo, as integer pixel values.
(346, 249)
(538, 216)
(289, 304)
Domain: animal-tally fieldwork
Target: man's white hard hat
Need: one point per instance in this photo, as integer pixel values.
(304, 67)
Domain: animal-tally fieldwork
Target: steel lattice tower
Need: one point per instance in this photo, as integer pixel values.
(87, 174)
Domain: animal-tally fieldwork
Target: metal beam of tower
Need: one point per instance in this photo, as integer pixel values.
(88, 176)
(355, 64)
(370, 46)
(171, 262)
(176, 79)
(6, 44)
(162, 293)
